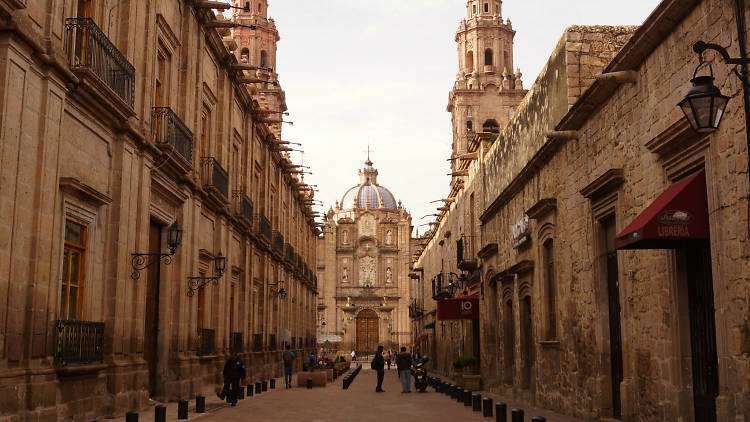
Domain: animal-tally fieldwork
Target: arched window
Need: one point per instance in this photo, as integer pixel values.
(488, 57)
(469, 125)
(486, 8)
(260, 7)
(245, 55)
(491, 126)
(470, 61)
(263, 58)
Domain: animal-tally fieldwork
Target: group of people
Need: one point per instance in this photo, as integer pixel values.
(403, 366)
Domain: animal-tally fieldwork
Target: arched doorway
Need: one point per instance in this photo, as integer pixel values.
(367, 332)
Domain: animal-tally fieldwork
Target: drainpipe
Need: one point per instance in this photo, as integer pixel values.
(739, 17)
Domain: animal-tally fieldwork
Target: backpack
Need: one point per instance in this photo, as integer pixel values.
(288, 358)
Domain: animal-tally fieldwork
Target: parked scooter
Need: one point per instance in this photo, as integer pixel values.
(420, 375)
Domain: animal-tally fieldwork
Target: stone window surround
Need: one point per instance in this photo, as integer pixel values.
(544, 212)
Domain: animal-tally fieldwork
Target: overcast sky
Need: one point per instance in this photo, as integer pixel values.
(378, 72)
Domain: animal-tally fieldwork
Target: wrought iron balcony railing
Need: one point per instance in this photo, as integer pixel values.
(264, 227)
(168, 129)
(441, 287)
(299, 263)
(257, 342)
(415, 310)
(79, 342)
(243, 206)
(466, 257)
(272, 342)
(87, 47)
(278, 242)
(290, 253)
(214, 176)
(206, 342)
(235, 342)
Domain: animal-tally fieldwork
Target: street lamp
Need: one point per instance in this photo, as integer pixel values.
(140, 261)
(197, 283)
(281, 292)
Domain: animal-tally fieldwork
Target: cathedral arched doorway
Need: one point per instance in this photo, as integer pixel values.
(367, 332)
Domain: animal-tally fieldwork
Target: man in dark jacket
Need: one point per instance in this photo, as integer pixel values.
(403, 364)
(234, 371)
(378, 364)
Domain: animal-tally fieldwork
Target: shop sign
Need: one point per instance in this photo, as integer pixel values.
(521, 232)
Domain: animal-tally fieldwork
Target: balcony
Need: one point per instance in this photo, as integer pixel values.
(87, 48)
(243, 207)
(441, 287)
(290, 254)
(299, 263)
(235, 342)
(257, 342)
(79, 342)
(466, 257)
(278, 243)
(415, 310)
(206, 342)
(167, 130)
(214, 176)
(299, 342)
(272, 342)
(263, 227)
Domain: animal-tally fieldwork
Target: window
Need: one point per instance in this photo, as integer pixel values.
(548, 260)
(486, 8)
(469, 63)
(74, 270)
(260, 7)
(474, 9)
(84, 8)
(488, 57)
(205, 138)
(245, 55)
(160, 76)
(491, 126)
(263, 58)
(469, 125)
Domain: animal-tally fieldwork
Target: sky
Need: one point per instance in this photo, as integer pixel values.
(378, 73)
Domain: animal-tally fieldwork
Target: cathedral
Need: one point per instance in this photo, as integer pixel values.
(363, 269)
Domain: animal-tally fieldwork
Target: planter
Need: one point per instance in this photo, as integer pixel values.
(471, 382)
(318, 378)
(329, 374)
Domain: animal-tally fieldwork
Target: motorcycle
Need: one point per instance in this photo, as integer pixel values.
(420, 375)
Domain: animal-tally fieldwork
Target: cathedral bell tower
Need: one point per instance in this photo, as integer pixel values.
(257, 47)
(487, 91)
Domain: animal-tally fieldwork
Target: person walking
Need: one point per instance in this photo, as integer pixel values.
(378, 364)
(388, 359)
(288, 358)
(234, 371)
(403, 364)
(354, 356)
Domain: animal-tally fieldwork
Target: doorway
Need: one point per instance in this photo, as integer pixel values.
(151, 336)
(367, 332)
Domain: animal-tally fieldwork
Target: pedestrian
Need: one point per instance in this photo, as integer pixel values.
(354, 356)
(403, 364)
(288, 358)
(388, 359)
(378, 364)
(234, 371)
(417, 354)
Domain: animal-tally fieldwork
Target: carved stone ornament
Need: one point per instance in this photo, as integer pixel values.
(367, 271)
(367, 225)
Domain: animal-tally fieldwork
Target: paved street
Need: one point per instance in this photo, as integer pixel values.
(358, 403)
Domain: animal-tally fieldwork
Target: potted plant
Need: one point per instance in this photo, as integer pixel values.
(467, 371)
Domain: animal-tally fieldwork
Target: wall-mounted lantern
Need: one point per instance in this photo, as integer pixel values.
(140, 261)
(281, 292)
(197, 283)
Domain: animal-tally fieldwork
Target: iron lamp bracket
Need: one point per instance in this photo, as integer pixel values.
(141, 261)
(198, 283)
(701, 47)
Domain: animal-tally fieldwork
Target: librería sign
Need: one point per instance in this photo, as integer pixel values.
(521, 232)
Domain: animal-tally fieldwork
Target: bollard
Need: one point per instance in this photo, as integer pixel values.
(501, 412)
(516, 415)
(182, 409)
(200, 404)
(160, 414)
(257, 387)
(131, 417)
(249, 390)
(309, 383)
(487, 404)
(476, 402)
(241, 394)
(538, 419)
(265, 386)
(467, 398)
(438, 387)
(273, 383)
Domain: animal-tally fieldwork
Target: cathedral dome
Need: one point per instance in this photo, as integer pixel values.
(368, 194)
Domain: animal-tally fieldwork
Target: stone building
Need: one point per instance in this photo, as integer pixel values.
(610, 257)
(117, 122)
(363, 266)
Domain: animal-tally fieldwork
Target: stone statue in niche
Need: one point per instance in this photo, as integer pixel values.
(345, 237)
(389, 237)
(367, 271)
(345, 275)
(388, 275)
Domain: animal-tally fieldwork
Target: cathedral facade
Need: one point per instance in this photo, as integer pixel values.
(363, 269)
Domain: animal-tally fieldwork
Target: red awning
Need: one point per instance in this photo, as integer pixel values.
(466, 307)
(678, 217)
(421, 338)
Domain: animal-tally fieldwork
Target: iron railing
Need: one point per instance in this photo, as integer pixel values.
(466, 258)
(299, 263)
(441, 287)
(278, 242)
(235, 342)
(264, 227)
(272, 342)
(257, 342)
(206, 342)
(415, 310)
(243, 206)
(79, 342)
(168, 129)
(290, 253)
(299, 342)
(87, 47)
(315, 281)
(214, 175)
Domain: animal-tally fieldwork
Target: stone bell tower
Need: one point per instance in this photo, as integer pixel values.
(257, 47)
(487, 90)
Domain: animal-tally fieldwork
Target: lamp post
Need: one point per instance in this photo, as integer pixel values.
(197, 283)
(140, 261)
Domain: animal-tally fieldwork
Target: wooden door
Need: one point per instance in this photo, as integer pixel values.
(367, 332)
(151, 338)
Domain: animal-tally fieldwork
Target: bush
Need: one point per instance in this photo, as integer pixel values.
(464, 361)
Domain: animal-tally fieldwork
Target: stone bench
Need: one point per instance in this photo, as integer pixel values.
(319, 378)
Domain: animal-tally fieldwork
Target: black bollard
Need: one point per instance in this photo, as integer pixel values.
(182, 409)
(160, 414)
(131, 417)
(309, 383)
(273, 383)
(200, 404)
(538, 419)
(476, 402)
(487, 407)
(258, 387)
(501, 412)
(516, 415)
(249, 390)
(467, 398)
(265, 386)
(241, 394)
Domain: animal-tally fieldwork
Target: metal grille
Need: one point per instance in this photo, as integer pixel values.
(206, 342)
(257, 342)
(243, 206)
(264, 227)
(214, 175)
(272, 342)
(290, 253)
(278, 242)
(235, 340)
(465, 254)
(168, 129)
(441, 288)
(79, 342)
(86, 46)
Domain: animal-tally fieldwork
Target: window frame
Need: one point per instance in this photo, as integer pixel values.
(66, 284)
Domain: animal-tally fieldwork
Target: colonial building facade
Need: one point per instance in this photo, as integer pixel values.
(363, 265)
(604, 238)
(150, 218)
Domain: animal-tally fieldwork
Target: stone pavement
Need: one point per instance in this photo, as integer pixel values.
(359, 403)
